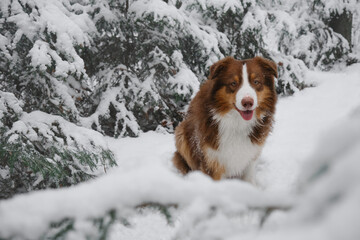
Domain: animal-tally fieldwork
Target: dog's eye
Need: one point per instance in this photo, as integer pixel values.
(256, 82)
(233, 84)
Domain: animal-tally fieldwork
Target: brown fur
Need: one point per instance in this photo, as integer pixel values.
(199, 130)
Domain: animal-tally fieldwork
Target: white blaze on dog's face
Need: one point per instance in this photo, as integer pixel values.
(246, 98)
(245, 91)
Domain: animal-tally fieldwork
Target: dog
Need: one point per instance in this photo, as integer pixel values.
(228, 120)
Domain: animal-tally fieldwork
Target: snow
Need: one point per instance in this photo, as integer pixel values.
(121, 190)
(338, 6)
(4, 173)
(68, 28)
(329, 207)
(224, 5)
(184, 80)
(110, 96)
(314, 127)
(39, 55)
(74, 135)
(3, 42)
(152, 224)
(159, 8)
(55, 131)
(190, 23)
(310, 162)
(307, 116)
(8, 100)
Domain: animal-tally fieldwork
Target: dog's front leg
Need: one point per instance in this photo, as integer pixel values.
(213, 168)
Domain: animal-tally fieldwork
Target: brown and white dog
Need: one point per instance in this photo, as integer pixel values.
(228, 120)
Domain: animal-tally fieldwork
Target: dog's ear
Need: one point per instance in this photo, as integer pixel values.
(269, 66)
(219, 67)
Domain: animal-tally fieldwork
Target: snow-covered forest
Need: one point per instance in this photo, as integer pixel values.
(91, 92)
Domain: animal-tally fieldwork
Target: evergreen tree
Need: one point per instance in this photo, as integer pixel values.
(42, 69)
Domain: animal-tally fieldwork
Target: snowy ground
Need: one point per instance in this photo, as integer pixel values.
(145, 173)
(301, 121)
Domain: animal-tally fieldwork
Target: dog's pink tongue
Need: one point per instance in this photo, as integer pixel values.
(247, 115)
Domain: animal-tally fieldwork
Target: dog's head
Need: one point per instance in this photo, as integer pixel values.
(246, 86)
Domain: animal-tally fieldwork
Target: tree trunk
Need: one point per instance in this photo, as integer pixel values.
(342, 23)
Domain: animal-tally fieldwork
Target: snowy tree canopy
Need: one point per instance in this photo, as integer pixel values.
(121, 67)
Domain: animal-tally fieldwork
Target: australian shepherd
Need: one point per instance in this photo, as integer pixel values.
(228, 120)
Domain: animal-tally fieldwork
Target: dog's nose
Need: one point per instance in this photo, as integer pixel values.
(247, 102)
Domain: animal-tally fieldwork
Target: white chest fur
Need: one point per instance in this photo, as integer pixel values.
(236, 151)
